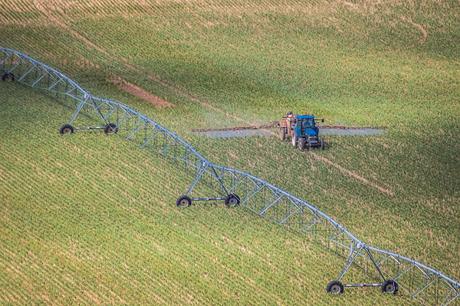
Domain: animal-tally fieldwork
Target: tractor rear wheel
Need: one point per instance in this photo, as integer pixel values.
(301, 143)
(282, 133)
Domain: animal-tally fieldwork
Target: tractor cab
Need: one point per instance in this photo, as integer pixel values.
(302, 131)
(305, 126)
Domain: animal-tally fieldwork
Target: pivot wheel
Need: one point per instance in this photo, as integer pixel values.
(183, 201)
(8, 76)
(334, 287)
(66, 129)
(111, 128)
(322, 144)
(390, 286)
(232, 200)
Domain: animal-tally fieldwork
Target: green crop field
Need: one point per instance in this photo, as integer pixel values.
(90, 218)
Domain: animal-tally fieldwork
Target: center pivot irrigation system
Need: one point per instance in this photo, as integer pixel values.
(365, 265)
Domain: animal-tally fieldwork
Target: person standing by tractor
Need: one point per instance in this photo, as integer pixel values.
(290, 120)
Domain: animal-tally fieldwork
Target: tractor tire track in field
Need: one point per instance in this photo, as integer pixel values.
(352, 174)
(60, 21)
(417, 26)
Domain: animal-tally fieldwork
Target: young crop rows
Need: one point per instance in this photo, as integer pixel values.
(390, 271)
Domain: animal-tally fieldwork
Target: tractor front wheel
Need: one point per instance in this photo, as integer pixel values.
(301, 143)
(294, 141)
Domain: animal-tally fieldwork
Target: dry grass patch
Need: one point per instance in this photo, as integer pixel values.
(139, 92)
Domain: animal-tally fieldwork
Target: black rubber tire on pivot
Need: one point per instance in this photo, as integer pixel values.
(335, 287)
(301, 143)
(66, 129)
(282, 133)
(232, 200)
(390, 286)
(183, 201)
(111, 128)
(8, 75)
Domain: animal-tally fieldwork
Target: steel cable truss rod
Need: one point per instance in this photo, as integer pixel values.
(390, 271)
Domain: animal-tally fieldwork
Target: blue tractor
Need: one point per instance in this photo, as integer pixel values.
(301, 130)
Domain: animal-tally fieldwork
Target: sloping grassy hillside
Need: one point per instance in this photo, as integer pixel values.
(225, 63)
(90, 219)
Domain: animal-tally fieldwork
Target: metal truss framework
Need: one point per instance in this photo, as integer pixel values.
(378, 268)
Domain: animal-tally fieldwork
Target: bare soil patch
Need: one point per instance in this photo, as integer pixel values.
(139, 92)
